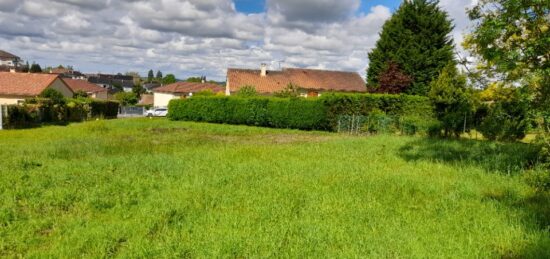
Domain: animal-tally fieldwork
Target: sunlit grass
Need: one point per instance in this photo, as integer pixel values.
(155, 188)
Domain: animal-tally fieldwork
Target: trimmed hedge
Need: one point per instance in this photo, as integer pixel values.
(299, 113)
(258, 111)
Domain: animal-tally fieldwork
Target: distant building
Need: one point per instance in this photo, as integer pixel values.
(16, 87)
(68, 73)
(9, 61)
(311, 82)
(111, 81)
(92, 90)
(164, 94)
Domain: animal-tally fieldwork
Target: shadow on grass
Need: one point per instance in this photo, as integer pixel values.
(504, 158)
(509, 158)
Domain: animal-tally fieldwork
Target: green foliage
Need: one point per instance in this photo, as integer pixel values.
(300, 113)
(169, 79)
(126, 98)
(194, 79)
(159, 75)
(138, 89)
(54, 95)
(508, 116)
(35, 68)
(80, 94)
(453, 102)
(207, 92)
(511, 37)
(150, 76)
(247, 91)
(103, 109)
(257, 111)
(417, 38)
(290, 91)
(38, 111)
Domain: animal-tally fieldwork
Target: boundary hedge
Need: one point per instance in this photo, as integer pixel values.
(297, 113)
(37, 111)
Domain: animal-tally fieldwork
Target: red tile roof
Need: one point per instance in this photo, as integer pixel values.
(311, 79)
(82, 85)
(24, 84)
(188, 87)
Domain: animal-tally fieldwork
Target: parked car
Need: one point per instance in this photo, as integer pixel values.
(156, 112)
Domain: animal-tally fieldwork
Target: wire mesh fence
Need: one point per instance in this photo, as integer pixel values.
(131, 111)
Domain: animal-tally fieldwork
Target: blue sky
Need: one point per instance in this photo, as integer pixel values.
(258, 6)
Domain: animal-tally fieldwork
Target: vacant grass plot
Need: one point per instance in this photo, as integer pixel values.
(135, 188)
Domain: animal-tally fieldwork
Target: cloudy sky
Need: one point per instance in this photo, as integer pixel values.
(199, 37)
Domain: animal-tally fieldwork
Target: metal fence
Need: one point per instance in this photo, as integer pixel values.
(131, 111)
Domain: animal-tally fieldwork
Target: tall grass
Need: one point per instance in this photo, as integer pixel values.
(155, 188)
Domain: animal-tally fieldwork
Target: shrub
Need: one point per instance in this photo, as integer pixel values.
(55, 96)
(103, 109)
(508, 117)
(247, 91)
(127, 98)
(297, 113)
(291, 90)
(453, 101)
(205, 93)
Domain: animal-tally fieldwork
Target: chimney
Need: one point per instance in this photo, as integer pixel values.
(263, 72)
(203, 79)
(12, 70)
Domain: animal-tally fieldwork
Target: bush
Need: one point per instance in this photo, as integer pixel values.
(127, 98)
(323, 113)
(103, 109)
(508, 118)
(247, 91)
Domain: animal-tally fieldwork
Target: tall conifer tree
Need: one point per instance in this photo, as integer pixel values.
(417, 39)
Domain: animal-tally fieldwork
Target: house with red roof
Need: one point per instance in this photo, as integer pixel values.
(16, 87)
(92, 90)
(164, 94)
(311, 82)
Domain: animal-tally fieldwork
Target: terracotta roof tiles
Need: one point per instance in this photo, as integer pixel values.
(188, 87)
(83, 85)
(310, 79)
(24, 84)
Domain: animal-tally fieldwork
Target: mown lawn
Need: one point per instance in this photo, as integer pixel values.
(155, 188)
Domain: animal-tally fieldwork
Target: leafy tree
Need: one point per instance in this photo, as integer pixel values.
(126, 98)
(392, 80)
(508, 115)
(80, 94)
(159, 75)
(511, 41)
(118, 86)
(169, 79)
(194, 79)
(290, 91)
(35, 68)
(247, 91)
(453, 101)
(150, 76)
(138, 89)
(54, 95)
(417, 38)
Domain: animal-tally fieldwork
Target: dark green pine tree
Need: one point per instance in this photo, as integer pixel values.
(417, 38)
(150, 76)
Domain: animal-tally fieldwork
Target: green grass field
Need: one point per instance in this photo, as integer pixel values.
(156, 188)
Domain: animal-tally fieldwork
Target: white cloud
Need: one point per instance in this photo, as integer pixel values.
(195, 37)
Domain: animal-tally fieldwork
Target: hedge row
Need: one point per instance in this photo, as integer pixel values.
(258, 111)
(39, 111)
(298, 113)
